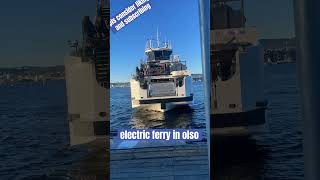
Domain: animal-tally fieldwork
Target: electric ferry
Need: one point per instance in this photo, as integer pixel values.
(163, 81)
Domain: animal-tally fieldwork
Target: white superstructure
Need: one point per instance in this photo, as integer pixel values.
(87, 101)
(87, 80)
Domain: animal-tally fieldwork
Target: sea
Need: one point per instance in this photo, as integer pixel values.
(34, 132)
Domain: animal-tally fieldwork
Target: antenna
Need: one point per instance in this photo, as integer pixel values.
(165, 41)
(158, 38)
(150, 43)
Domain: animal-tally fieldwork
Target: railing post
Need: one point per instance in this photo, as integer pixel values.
(204, 13)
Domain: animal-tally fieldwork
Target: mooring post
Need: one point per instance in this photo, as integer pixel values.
(307, 26)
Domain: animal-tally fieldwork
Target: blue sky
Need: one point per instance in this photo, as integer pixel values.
(35, 33)
(177, 21)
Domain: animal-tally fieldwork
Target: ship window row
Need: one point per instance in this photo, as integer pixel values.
(161, 80)
(159, 55)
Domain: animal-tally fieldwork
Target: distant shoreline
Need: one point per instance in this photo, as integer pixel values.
(27, 74)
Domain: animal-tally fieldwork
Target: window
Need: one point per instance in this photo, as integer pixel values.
(159, 55)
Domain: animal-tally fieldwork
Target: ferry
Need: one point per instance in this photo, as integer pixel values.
(237, 68)
(87, 79)
(162, 82)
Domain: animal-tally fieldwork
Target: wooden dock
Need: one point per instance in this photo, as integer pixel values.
(182, 162)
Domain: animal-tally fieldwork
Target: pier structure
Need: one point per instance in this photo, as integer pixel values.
(167, 162)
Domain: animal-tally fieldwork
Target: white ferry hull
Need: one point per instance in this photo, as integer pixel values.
(87, 105)
(238, 98)
(141, 99)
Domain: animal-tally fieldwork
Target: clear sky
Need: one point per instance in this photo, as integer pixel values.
(35, 33)
(177, 20)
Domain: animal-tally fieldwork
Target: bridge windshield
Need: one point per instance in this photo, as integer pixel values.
(159, 55)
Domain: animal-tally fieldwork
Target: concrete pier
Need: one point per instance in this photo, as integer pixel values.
(181, 162)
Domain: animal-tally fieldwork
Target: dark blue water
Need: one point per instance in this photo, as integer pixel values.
(34, 132)
(282, 143)
(35, 141)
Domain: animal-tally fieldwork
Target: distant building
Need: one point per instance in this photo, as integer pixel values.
(197, 77)
(279, 50)
(31, 74)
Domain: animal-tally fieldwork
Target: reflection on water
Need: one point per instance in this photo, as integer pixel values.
(179, 118)
(95, 164)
